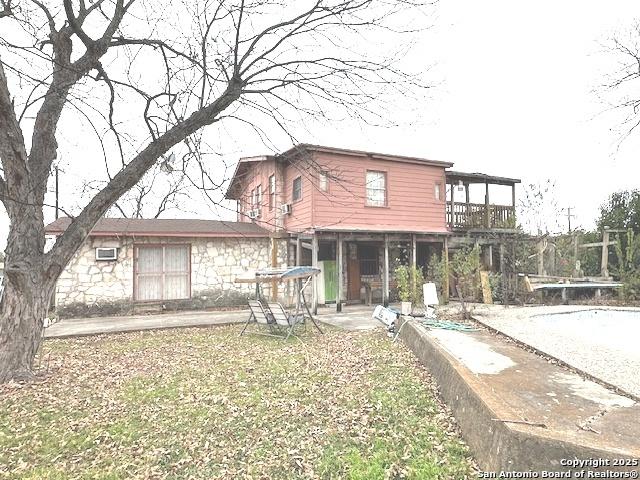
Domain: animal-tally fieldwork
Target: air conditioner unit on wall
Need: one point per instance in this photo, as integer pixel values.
(253, 214)
(106, 253)
(286, 208)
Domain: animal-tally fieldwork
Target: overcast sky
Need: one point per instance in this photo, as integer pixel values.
(513, 96)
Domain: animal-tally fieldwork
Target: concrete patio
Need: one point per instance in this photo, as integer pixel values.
(356, 317)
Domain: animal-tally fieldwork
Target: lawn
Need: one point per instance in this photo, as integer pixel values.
(205, 403)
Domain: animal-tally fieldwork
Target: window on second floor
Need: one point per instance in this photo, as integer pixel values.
(297, 189)
(259, 196)
(323, 182)
(272, 192)
(438, 191)
(254, 199)
(376, 185)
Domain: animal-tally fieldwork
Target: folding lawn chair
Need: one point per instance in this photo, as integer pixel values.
(284, 319)
(261, 317)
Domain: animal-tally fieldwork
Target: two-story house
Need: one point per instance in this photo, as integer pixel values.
(354, 214)
(358, 214)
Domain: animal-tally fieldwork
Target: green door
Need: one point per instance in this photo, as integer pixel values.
(330, 281)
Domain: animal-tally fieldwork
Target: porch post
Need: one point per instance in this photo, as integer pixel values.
(339, 270)
(466, 194)
(604, 261)
(298, 251)
(487, 213)
(513, 195)
(445, 280)
(385, 273)
(452, 215)
(314, 263)
(274, 264)
(414, 261)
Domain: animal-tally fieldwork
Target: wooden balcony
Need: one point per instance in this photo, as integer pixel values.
(462, 215)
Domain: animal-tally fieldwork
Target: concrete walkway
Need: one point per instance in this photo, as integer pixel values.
(357, 317)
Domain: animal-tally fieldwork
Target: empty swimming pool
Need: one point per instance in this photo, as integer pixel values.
(603, 342)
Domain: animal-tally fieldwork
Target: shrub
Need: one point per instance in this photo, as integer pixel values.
(409, 282)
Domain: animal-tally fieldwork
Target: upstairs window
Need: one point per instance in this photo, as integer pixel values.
(259, 196)
(272, 192)
(323, 182)
(438, 191)
(376, 185)
(297, 189)
(254, 199)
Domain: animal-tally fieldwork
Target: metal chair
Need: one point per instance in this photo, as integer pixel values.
(284, 319)
(261, 317)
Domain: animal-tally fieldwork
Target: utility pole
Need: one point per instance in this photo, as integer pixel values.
(56, 192)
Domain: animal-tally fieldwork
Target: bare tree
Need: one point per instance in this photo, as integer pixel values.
(621, 90)
(539, 212)
(147, 77)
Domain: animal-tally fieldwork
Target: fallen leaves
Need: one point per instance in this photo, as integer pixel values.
(205, 403)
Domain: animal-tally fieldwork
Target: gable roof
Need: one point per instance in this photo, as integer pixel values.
(245, 163)
(163, 228)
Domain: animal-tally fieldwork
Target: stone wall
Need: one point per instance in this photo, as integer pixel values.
(90, 287)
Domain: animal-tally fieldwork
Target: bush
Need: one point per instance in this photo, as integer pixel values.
(409, 282)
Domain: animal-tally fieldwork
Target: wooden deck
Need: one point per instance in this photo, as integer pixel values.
(462, 215)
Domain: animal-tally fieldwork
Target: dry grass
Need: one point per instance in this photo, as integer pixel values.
(205, 403)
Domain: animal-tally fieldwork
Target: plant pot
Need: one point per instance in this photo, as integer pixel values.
(405, 308)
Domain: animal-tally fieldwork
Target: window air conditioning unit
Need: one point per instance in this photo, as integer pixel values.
(253, 214)
(286, 208)
(106, 253)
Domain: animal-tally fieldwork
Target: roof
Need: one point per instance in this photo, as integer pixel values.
(164, 228)
(480, 178)
(245, 163)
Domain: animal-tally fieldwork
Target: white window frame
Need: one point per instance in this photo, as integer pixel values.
(293, 189)
(323, 182)
(372, 191)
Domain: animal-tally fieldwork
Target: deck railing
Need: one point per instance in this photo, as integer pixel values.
(475, 215)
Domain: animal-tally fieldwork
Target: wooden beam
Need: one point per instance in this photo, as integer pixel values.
(466, 193)
(414, 260)
(513, 195)
(604, 263)
(487, 206)
(540, 255)
(274, 263)
(385, 273)
(445, 280)
(298, 251)
(452, 216)
(339, 269)
(314, 263)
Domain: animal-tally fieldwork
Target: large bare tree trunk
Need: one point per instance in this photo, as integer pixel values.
(28, 285)
(24, 308)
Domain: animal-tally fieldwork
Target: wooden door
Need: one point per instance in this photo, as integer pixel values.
(353, 278)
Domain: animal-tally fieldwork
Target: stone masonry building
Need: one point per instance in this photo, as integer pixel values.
(163, 265)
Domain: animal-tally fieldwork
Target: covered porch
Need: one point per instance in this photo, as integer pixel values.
(358, 267)
(467, 215)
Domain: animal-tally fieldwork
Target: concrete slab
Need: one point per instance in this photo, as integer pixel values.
(599, 341)
(75, 327)
(357, 317)
(519, 412)
(352, 317)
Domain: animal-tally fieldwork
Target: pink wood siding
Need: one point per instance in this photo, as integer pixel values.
(258, 174)
(301, 216)
(411, 203)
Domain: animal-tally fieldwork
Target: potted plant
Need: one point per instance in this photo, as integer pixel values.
(404, 289)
